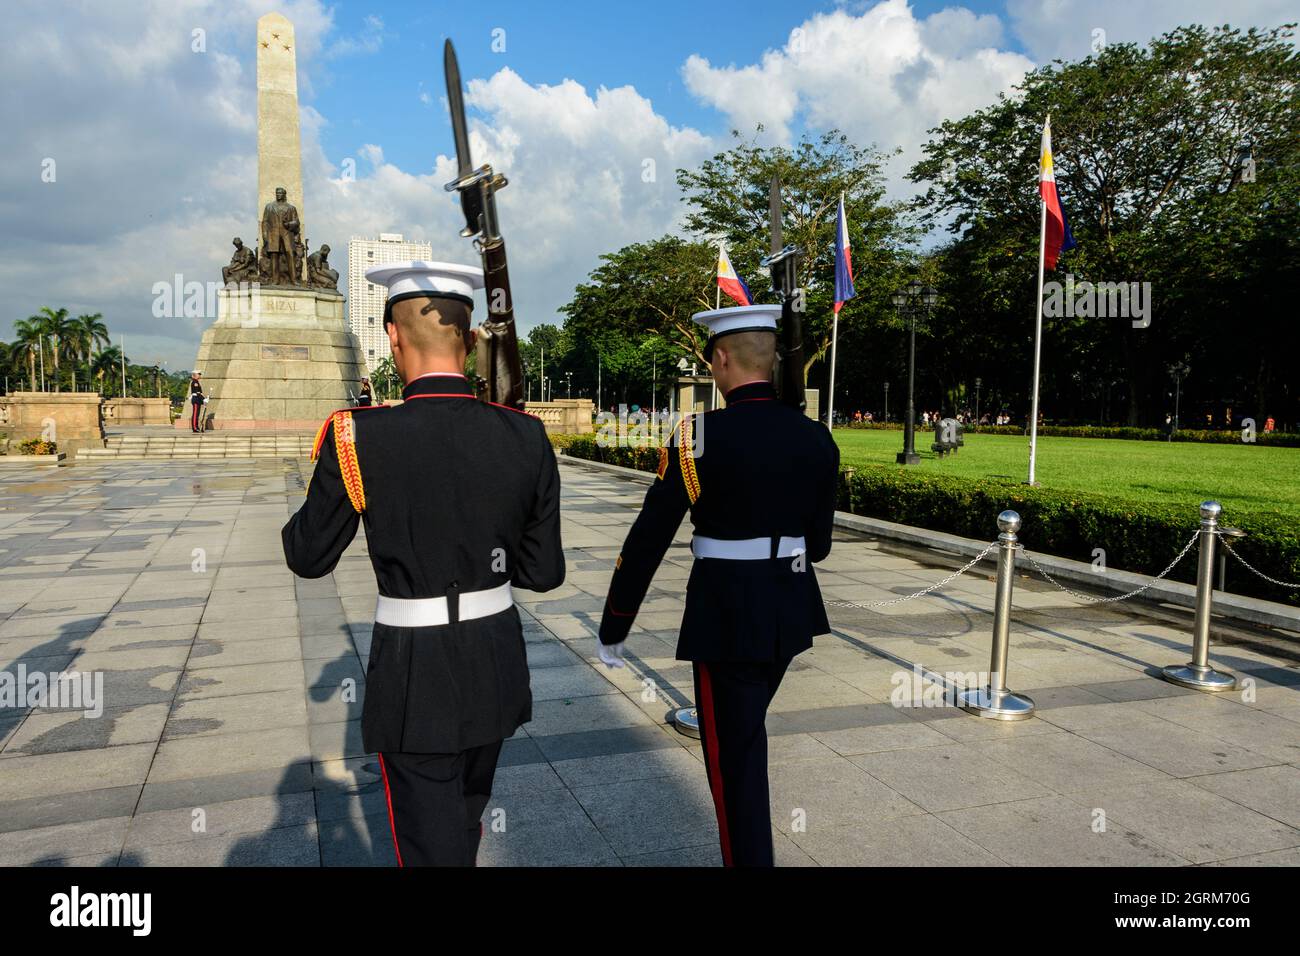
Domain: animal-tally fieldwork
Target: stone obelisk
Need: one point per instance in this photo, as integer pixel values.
(280, 355)
(279, 150)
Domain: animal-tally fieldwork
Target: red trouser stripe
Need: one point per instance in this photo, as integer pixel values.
(388, 796)
(714, 765)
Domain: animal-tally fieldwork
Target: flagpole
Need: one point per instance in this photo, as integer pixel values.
(717, 304)
(1038, 335)
(830, 398)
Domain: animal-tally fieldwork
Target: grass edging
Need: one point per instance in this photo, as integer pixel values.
(1140, 537)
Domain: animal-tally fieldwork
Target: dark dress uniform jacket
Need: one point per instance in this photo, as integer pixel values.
(459, 495)
(765, 470)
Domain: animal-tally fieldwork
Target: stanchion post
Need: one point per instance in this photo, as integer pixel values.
(1197, 673)
(994, 700)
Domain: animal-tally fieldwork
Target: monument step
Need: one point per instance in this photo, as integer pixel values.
(206, 446)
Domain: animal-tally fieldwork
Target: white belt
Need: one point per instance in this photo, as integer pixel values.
(431, 612)
(747, 549)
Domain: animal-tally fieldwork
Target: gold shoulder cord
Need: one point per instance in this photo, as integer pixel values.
(345, 442)
(686, 460)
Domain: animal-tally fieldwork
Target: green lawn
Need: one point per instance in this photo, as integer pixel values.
(1244, 478)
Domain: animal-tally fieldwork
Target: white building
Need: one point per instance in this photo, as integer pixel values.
(365, 299)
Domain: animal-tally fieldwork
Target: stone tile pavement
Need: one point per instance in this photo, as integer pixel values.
(232, 692)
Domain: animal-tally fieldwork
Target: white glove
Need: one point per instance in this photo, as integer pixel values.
(611, 655)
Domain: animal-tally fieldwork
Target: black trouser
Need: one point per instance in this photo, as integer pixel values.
(732, 700)
(194, 415)
(435, 802)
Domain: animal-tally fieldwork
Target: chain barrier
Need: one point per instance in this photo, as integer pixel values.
(1090, 599)
(1252, 568)
(866, 605)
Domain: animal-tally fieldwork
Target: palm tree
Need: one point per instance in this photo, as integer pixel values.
(385, 376)
(28, 343)
(85, 333)
(54, 324)
(105, 362)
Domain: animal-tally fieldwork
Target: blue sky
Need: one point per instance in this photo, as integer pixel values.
(156, 143)
(376, 98)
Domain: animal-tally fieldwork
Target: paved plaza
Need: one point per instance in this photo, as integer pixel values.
(232, 694)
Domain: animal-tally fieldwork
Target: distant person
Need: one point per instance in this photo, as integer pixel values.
(197, 401)
(367, 396)
(1269, 424)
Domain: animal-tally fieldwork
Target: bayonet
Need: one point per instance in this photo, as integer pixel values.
(499, 369)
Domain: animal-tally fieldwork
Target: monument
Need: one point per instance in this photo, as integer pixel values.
(280, 354)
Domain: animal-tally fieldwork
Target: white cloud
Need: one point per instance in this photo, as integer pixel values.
(1052, 29)
(156, 145)
(882, 76)
(157, 164)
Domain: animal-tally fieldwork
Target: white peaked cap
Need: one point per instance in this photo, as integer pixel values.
(429, 278)
(739, 318)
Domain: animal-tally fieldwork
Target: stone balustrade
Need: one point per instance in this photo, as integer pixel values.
(70, 419)
(137, 411)
(564, 416)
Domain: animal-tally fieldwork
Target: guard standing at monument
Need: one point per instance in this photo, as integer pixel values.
(197, 401)
(460, 499)
(367, 396)
(759, 479)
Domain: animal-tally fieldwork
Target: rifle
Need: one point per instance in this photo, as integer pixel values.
(783, 265)
(500, 372)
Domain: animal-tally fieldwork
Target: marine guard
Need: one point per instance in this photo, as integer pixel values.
(759, 480)
(461, 502)
(197, 401)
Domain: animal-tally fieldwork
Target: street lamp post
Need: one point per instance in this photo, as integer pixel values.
(908, 302)
(1179, 370)
(978, 382)
(886, 401)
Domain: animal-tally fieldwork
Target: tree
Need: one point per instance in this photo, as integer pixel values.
(728, 199)
(106, 362)
(85, 334)
(54, 327)
(545, 347)
(385, 378)
(28, 344)
(1152, 150)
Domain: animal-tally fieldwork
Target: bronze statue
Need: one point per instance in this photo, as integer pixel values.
(243, 265)
(280, 240)
(319, 273)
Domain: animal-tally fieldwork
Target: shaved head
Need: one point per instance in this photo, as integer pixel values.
(432, 326)
(751, 352)
(429, 334)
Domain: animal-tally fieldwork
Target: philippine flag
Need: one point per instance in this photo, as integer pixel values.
(1058, 238)
(843, 261)
(729, 281)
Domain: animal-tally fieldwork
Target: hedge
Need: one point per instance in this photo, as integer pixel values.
(1203, 436)
(1140, 537)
